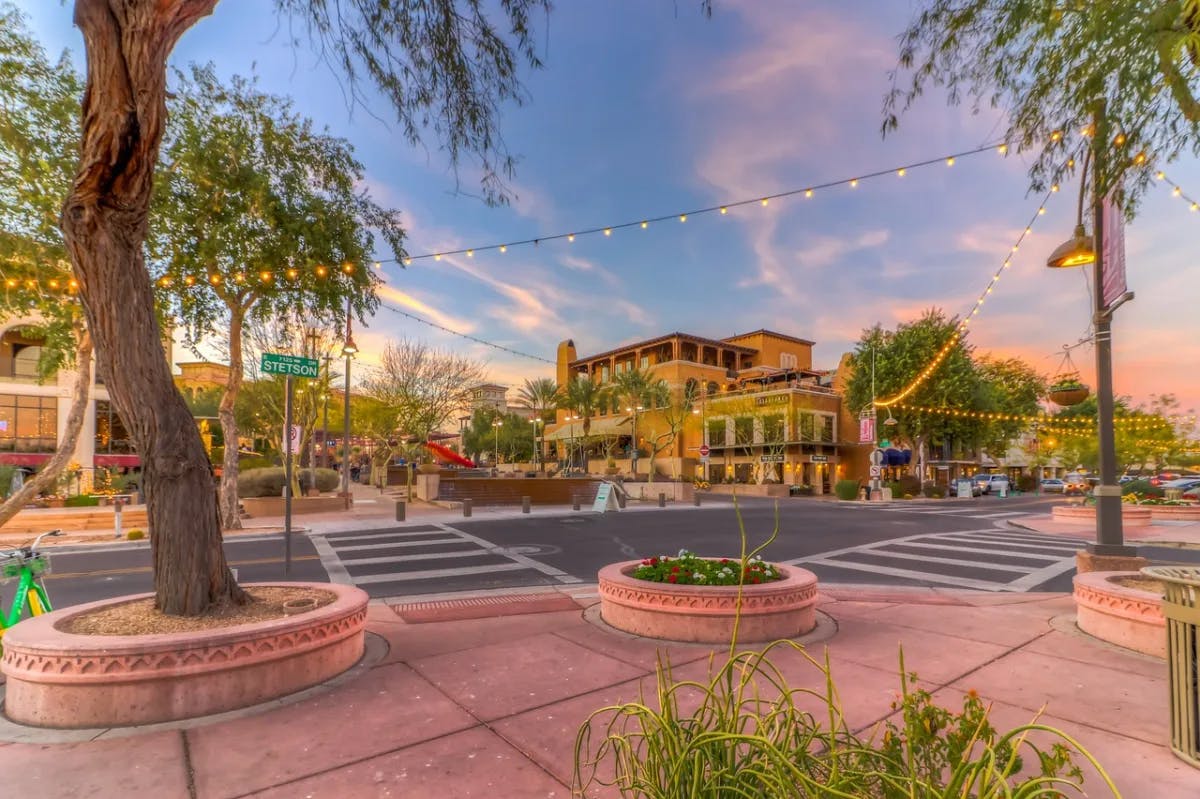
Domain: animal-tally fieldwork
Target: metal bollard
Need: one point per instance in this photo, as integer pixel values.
(575, 505)
(621, 501)
(400, 509)
(466, 505)
(525, 504)
(662, 500)
(696, 499)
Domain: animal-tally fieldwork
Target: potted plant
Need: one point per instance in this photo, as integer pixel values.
(611, 468)
(1068, 390)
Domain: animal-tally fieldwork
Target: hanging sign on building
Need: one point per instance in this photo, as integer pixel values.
(770, 458)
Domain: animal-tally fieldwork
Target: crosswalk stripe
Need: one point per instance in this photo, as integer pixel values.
(381, 535)
(431, 574)
(471, 553)
(397, 544)
(1022, 544)
(962, 582)
(978, 551)
(879, 553)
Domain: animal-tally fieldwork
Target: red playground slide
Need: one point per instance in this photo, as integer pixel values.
(446, 454)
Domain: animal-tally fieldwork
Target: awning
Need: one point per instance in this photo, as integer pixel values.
(24, 458)
(604, 426)
(126, 461)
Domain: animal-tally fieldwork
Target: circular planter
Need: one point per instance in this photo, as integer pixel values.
(1131, 515)
(1181, 513)
(1121, 615)
(705, 613)
(1068, 396)
(59, 679)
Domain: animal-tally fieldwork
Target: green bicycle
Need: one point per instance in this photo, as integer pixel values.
(30, 568)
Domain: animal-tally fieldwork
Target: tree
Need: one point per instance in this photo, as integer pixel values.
(1007, 388)
(900, 357)
(257, 216)
(582, 396)
(444, 66)
(541, 397)
(37, 129)
(424, 387)
(674, 406)
(1047, 64)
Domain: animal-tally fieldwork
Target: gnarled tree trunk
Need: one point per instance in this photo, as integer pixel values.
(66, 447)
(104, 223)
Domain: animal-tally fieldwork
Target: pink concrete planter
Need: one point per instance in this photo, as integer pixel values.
(704, 613)
(1121, 615)
(58, 679)
(1131, 515)
(1180, 513)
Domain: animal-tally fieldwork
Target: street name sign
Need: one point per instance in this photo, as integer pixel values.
(770, 459)
(819, 458)
(276, 363)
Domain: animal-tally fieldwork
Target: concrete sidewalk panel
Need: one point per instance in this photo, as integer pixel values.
(634, 650)
(1080, 647)
(474, 764)
(1012, 625)
(1085, 693)
(502, 679)
(411, 642)
(384, 709)
(150, 766)
(935, 657)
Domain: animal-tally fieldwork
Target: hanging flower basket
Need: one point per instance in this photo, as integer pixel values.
(1068, 392)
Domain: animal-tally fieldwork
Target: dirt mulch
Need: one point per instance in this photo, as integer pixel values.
(1142, 584)
(140, 617)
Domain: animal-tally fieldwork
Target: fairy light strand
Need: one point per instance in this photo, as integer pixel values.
(1177, 191)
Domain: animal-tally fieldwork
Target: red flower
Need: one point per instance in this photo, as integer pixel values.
(755, 580)
(672, 578)
(724, 560)
(674, 569)
(653, 561)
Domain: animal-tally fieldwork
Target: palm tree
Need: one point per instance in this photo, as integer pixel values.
(540, 396)
(630, 390)
(581, 396)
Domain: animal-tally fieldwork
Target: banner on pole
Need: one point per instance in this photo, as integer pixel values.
(866, 429)
(1113, 278)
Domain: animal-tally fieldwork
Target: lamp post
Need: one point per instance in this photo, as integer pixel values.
(325, 424)
(1081, 250)
(496, 424)
(537, 450)
(348, 349)
(314, 339)
(703, 432)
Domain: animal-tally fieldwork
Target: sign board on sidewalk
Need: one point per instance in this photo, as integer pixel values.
(819, 459)
(962, 488)
(276, 363)
(605, 499)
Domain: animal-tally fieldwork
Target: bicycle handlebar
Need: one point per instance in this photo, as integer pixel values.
(38, 540)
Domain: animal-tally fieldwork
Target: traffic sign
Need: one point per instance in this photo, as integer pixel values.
(276, 363)
(876, 457)
(704, 450)
(876, 471)
(296, 437)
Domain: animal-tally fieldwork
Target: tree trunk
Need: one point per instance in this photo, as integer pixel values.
(104, 224)
(66, 447)
(231, 519)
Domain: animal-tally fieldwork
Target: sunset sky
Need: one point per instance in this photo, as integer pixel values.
(649, 109)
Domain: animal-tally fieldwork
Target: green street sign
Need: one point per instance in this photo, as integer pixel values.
(275, 363)
(884, 444)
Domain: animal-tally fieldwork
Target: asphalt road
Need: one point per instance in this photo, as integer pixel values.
(954, 543)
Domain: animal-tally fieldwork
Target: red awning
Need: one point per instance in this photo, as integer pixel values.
(117, 460)
(24, 458)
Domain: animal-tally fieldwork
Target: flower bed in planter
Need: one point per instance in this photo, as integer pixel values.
(1131, 515)
(783, 608)
(1120, 614)
(60, 679)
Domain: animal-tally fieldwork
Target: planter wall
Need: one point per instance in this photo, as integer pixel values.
(752, 489)
(273, 506)
(1181, 513)
(705, 613)
(1131, 515)
(1124, 616)
(59, 679)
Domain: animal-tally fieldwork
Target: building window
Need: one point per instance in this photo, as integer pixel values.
(28, 424)
(645, 361)
(827, 428)
(716, 433)
(773, 428)
(808, 427)
(111, 435)
(787, 360)
(604, 373)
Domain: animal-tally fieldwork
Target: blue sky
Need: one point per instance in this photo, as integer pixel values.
(646, 109)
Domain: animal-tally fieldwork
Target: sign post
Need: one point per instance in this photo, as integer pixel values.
(290, 366)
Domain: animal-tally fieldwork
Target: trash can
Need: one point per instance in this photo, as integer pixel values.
(1181, 607)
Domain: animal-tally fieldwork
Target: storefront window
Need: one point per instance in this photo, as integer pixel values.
(111, 435)
(28, 424)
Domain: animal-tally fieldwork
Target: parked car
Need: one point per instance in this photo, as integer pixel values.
(1053, 485)
(1183, 483)
(1075, 483)
(997, 483)
(979, 484)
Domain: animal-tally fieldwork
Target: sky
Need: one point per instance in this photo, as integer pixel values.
(649, 109)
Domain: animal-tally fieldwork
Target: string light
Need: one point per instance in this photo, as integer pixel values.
(1044, 421)
(1177, 191)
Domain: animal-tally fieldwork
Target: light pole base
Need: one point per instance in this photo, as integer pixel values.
(1105, 558)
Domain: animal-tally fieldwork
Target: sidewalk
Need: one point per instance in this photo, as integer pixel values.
(453, 705)
(1171, 532)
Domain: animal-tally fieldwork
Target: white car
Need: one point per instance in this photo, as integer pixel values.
(995, 483)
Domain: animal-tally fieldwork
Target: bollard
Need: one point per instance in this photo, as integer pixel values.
(662, 500)
(467, 507)
(526, 503)
(575, 505)
(400, 511)
(621, 501)
(118, 503)
(696, 499)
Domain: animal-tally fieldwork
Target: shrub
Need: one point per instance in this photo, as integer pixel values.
(327, 479)
(688, 569)
(1142, 488)
(909, 484)
(81, 501)
(261, 482)
(934, 490)
(1027, 482)
(135, 535)
(846, 489)
(251, 462)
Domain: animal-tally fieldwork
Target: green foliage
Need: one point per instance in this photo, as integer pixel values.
(6, 477)
(1067, 383)
(1046, 64)
(689, 569)
(135, 534)
(1027, 482)
(261, 482)
(81, 501)
(254, 462)
(327, 479)
(1141, 488)
(514, 435)
(846, 489)
(540, 396)
(934, 491)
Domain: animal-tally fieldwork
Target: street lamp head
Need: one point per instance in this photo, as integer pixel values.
(349, 348)
(1078, 250)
